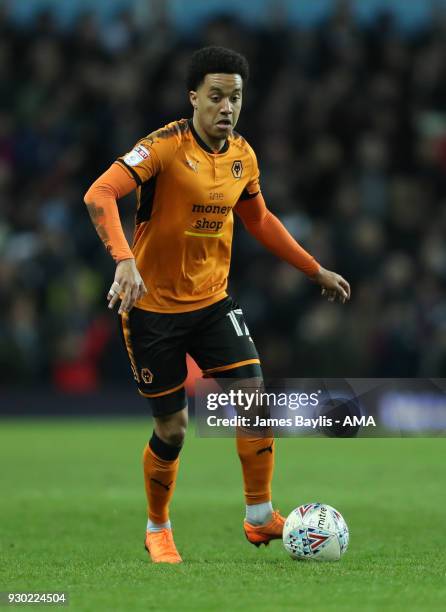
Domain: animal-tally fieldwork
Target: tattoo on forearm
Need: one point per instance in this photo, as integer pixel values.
(97, 216)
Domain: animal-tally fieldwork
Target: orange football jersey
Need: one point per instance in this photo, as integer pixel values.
(183, 231)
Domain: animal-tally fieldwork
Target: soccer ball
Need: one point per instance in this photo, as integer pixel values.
(315, 531)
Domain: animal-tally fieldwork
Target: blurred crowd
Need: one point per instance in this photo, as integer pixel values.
(349, 127)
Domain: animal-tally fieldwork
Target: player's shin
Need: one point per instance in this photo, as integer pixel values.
(257, 459)
(160, 462)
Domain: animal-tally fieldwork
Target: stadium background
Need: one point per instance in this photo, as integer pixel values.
(345, 109)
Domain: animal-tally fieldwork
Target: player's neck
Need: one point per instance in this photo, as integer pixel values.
(215, 145)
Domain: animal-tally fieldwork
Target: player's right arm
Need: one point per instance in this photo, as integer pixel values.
(101, 201)
(149, 157)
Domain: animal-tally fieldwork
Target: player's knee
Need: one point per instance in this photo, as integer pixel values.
(174, 436)
(259, 409)
(172, 428)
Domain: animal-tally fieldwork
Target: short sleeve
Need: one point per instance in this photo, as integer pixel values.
(151, 154)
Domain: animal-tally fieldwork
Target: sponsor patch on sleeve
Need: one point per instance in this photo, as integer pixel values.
(136, 155)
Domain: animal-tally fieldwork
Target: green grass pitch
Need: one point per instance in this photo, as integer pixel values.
(73, 519)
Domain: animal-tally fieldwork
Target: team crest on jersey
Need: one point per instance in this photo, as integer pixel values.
(237, 168)
(136, 156)
(146, 375)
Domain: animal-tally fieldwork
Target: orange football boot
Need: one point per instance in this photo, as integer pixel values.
(161, 547)
(263, 534)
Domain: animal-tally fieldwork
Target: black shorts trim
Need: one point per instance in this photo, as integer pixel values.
(251, 370)
(215, 371)
(161, 393)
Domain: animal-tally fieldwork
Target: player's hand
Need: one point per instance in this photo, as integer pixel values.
(333, 285)
(128, 286)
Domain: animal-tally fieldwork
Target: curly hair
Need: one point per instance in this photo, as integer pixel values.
(215, 60)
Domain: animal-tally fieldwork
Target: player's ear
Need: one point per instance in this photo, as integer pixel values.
(193, 97)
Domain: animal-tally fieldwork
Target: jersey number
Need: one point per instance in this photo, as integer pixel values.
(238, 325)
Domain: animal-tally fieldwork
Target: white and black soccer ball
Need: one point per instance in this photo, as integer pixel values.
(315, 531)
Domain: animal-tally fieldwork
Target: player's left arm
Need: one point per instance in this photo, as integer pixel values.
(269, 231)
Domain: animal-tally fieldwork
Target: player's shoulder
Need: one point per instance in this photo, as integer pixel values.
(239, 143)
(172, 133)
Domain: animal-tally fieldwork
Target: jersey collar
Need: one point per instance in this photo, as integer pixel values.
(203, 145)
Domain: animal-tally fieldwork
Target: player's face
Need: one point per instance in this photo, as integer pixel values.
(217, 104)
